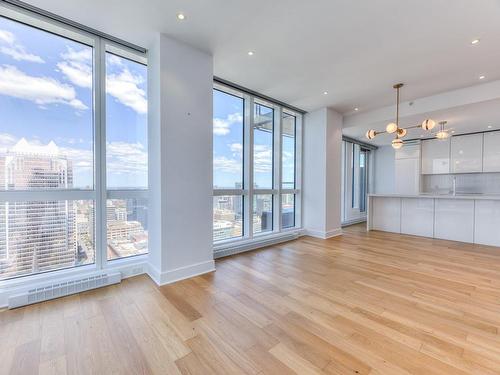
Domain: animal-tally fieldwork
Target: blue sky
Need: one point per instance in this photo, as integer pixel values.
(46, 95)
(228, 146)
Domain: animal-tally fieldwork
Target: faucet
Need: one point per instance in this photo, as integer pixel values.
(454, 185)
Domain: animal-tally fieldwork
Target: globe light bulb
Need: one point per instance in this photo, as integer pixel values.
(397, 144)
(428, 124)
(391, 128)
(442, 134)
(370, 134)
(401, 132)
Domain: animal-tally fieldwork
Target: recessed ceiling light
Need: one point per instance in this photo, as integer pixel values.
(325, 92)
(250, 53)
(181, 16)
(356, 109)
(475, 41)
(482, 77)
(489, 126)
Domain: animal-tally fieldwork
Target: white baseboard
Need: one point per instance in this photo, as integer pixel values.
(323, 235)
(181, 273)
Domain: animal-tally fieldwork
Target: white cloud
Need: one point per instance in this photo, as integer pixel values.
(263, 158)
(236, 148)
(41, 90)
(82, 159)
(6, 141)
(223, 164)
(6, 37)
(123, 157)
(84, 55)
(125, 88)
(16, 51)
(222, 126)
(114, 60)
(77, 66)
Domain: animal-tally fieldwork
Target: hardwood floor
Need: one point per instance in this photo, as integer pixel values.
(363, 303)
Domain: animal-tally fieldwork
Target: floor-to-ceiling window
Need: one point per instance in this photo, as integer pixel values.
(256, 166)
(73, 148)
(356, 159)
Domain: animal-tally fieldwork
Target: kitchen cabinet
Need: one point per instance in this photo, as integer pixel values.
(491, 152)
(417, 216)
(454, 220)
(467, 153)
(436, 156)
(407, 170)
(487, 222)
(386, 214)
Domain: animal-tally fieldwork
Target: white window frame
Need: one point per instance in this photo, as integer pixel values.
(99, 194)
(248, 191)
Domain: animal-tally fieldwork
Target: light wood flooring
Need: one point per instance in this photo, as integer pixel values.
(363, 303)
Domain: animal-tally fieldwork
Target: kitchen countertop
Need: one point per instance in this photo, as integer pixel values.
(440, 196)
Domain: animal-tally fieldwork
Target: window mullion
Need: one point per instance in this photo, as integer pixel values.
(277, 163)
(100, 152)
(248, 165)
(298, 170)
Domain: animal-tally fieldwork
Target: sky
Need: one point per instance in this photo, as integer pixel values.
(228, 147)
(46, 95)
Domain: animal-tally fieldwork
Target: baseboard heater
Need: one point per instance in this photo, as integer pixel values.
(61, 288)
(254, 245)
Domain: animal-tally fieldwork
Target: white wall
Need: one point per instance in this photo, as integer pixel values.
(322, 173)
(384, 166)
(180, 116)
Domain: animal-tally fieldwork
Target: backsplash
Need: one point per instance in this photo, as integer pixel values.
(469, 183)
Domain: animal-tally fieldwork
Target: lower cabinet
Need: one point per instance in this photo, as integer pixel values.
(454, 220)
(487, 222)
(386, 214)
(417, 216)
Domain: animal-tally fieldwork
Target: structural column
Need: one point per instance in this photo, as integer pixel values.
(180, 174)
(322, 173)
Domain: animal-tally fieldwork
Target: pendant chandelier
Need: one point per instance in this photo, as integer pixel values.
(394, 128)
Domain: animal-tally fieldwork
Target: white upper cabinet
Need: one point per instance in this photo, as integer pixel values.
(491, 152)
(436, 156)
(467, 153)
(407, 171)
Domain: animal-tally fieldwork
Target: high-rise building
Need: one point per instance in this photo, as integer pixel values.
(36, 236)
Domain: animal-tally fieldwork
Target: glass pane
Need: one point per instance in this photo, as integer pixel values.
(41, 236)
(262, 213)
(46, 131)
(228, 217)
(126, 123)
(263, 147)
(228, 141)
(127, 227)
(288, 151)
(288, 210)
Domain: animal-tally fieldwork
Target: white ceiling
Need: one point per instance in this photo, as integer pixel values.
(355, 49)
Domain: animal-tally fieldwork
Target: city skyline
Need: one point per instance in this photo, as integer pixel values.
(38, 236)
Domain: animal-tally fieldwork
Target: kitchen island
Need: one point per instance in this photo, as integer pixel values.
(473, 218)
